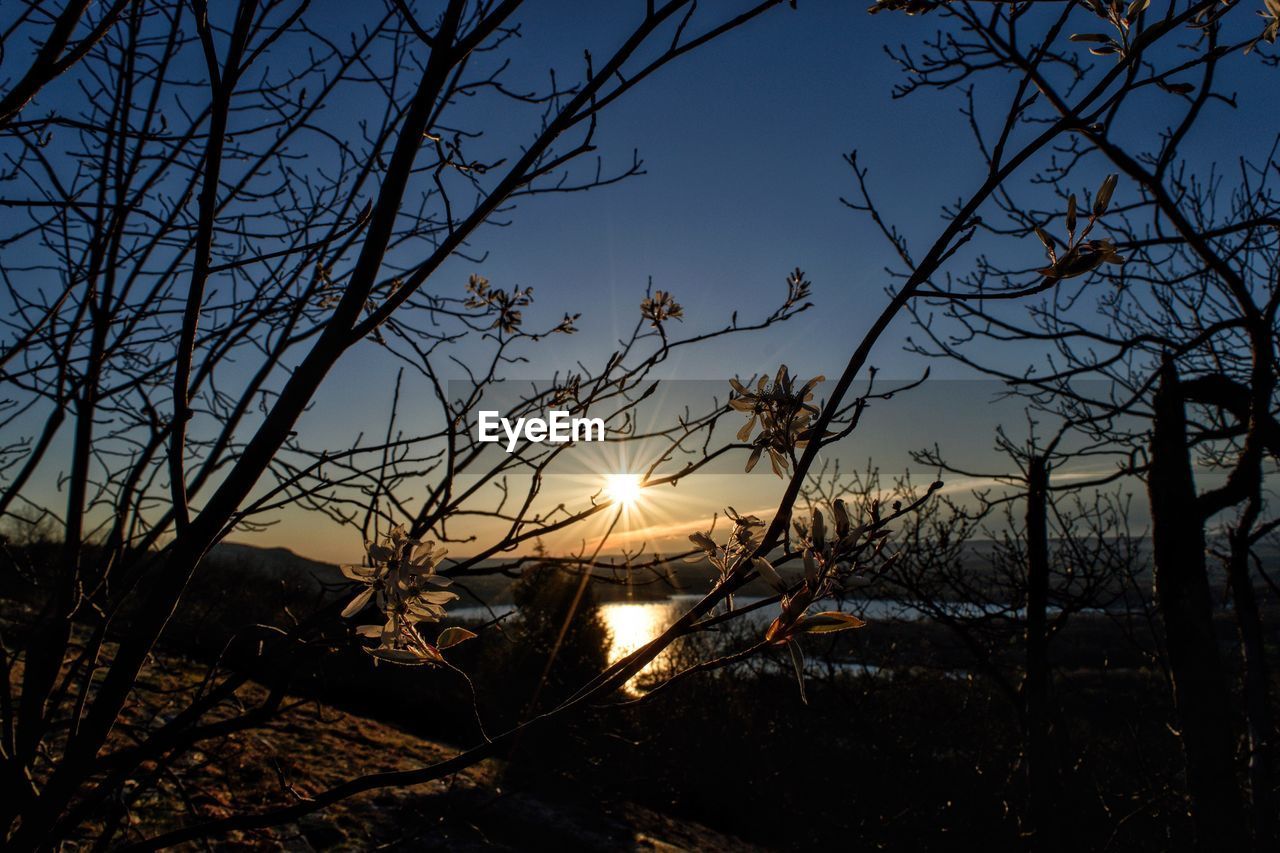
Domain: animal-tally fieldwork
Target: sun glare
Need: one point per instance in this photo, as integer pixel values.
(623, 489)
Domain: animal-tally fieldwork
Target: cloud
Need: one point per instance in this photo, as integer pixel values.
(671, 531)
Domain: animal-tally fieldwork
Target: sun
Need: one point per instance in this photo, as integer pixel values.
(623, 489)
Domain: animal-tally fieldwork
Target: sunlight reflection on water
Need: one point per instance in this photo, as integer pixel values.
(631, 625)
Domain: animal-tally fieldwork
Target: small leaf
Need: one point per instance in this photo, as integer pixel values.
(797, 661)
(842, 519)
(810, 569)
(433, 597)
(422, 554)
(703, 541)
(1091, 37)
(1103, 199)
(450, 637)
(1044, 238)
(770, 574)
(404, 657)
(829, 622)
(359, 573)
(1083, 258)
(810, 385)
(1071, 214)
(357, 604)
(1135, 8)
(778, 463)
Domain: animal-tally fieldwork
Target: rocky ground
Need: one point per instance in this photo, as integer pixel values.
(310, 747)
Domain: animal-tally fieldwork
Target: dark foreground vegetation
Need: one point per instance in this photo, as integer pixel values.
(907, 740)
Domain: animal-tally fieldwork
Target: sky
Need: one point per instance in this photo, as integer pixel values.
(743, 143)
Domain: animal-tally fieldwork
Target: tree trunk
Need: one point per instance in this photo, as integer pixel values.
(1200, 691)
(1256, 681)
(1038, 763)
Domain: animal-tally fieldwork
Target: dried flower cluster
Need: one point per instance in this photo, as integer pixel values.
(743, 542)
(799, 288)
(908, 7)
(828, 561)
(1271, 15)
(401, 580)
(784, 414)
(506, 305)
(1081, 255)
(1120, 17)
(660, 307)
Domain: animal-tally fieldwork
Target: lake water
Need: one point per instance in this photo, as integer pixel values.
(631, 624)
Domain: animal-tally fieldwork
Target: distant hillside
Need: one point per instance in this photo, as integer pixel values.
(275, 562)
(296, 577)
(280, 564)
(233, 560)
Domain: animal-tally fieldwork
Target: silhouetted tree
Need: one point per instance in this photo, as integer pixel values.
(1007, 571)
(210, 206)
(1183, 275)
(561, 635)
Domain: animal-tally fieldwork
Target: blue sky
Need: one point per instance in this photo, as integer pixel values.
(743, 144)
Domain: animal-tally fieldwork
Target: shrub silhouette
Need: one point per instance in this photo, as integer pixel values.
(558, 641)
